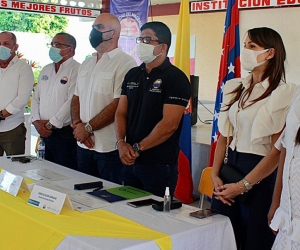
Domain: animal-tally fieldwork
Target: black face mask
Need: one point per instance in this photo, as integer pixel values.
(96, 37)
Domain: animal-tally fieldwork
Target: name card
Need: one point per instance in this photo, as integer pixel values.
(11, 183)
(49, 200)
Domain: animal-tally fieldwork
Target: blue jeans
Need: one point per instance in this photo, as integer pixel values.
(151, 178)
(61, 147)
(107, 166)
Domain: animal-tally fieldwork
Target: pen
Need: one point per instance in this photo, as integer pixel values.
(97, 189)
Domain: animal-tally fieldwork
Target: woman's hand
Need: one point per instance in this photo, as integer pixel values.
(219, 187)
(226, 193)
(216, 181)
(272, 210)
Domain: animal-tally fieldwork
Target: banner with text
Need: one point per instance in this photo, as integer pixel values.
(132, 15)
(204, 6)
(48, 8)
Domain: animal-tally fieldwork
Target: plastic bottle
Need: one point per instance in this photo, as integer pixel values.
(41, 149)
(167, 200)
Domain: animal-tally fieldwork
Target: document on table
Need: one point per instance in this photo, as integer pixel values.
(44, 175)
(83, 202)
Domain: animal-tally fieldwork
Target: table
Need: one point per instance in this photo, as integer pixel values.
(185, 232)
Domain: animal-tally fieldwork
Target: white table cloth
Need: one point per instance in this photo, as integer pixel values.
(186, 232)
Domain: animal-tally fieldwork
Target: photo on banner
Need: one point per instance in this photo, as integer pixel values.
(132, 15)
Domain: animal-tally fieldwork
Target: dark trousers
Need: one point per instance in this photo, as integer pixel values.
(12, 142)
(107, 166)
(151, 178)
(249, 220)
(61, 147)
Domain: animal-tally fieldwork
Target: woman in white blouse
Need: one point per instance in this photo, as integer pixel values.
(287, 215)
(255, 109)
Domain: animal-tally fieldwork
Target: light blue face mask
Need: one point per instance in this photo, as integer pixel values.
(54, 54)
(5, 53)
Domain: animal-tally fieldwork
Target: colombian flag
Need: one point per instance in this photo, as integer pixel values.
(184, 188)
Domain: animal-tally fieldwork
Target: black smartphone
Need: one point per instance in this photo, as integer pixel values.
(22, 159)
(141, 203)
(204, 213)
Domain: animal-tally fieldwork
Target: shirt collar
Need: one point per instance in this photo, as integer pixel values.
(14, 60)
(111, 54)
(65, 63)
(247, 81)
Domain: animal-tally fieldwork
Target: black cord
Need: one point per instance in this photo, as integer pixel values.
(205, 107)
(205, 121)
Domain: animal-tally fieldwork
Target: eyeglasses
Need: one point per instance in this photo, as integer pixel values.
(146, 39)
(58, 45)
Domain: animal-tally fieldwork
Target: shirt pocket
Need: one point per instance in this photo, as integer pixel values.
(81, 79)
(104, 83)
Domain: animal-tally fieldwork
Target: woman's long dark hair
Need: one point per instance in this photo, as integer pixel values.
(297, 139)
(266, 38)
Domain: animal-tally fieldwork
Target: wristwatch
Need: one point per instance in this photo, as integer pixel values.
(248, 186)
(49, 125)
(136, 147)
(88, 127)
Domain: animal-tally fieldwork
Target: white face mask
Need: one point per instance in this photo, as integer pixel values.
(249, 58)
(145, 52)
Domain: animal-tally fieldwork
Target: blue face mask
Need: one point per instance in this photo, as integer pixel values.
(54, 54)
(5, 53)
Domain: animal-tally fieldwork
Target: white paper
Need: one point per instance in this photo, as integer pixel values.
(44, 175)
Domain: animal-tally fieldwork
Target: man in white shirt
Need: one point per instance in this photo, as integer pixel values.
(16, 83)
(51, 102)
(96, 99)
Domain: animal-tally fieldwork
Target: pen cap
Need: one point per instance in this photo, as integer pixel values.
(167, 192)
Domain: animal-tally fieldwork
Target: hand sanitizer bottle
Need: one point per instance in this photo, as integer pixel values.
(41, 150)
(167, 200)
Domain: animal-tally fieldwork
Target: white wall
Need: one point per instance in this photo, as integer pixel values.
(286, 21)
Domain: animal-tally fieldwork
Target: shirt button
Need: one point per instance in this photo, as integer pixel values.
(147, 78)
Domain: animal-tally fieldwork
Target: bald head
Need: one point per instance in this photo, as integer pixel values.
(109, 22)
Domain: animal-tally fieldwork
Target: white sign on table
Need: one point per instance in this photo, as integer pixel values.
(49, 200)
(11, 183)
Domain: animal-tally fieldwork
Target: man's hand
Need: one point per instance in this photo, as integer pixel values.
(80, 133)
(40, 126)
(88, 142)
(126, 153)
